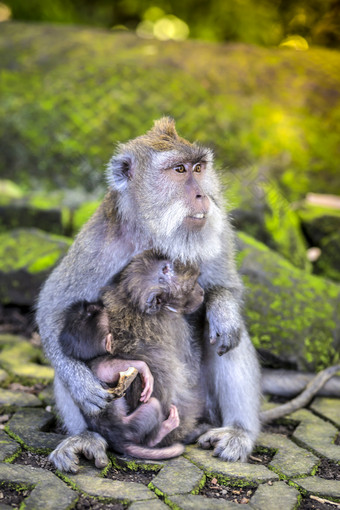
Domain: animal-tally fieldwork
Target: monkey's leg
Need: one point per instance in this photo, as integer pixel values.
(171, 423)
(145, 420)
(66, 456)
(232, 385)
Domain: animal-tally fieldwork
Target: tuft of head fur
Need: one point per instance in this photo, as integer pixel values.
(163, 136)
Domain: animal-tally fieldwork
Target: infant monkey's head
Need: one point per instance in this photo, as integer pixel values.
(148, 285)
(86, 330)
(153, 284)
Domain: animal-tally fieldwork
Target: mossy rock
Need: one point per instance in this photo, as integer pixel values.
(259, 208)
(328, 264)
(318, 222)
(82, 214)
(69, 93)
(23, 361)
(61, 212)
(26, 258)
(290, 314)
(21, 214)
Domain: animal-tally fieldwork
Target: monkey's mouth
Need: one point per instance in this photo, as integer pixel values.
(197, 220)
(171, 309)
(198, 217)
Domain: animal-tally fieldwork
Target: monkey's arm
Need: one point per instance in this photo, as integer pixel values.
(310, 391)
(108, 370)
(223, 290)
(97, 254)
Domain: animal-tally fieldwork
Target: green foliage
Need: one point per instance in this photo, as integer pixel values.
(253, 21)
(68, 94)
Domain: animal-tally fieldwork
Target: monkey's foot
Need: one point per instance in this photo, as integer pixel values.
(66, 456)
(229, 443)
(167, 426)
(125, 380)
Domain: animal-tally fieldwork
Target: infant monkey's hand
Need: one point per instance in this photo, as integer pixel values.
(147, 379)
(125, 380)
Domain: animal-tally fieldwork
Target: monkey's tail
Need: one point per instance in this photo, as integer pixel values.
(301, 400)
(144, 452)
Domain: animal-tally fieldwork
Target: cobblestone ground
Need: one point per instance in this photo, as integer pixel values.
(296, 464)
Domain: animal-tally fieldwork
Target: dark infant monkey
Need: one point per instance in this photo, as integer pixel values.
(164, 194)
(140, 322)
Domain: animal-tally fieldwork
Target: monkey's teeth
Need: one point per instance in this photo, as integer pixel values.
(199, 216)
(171, 309)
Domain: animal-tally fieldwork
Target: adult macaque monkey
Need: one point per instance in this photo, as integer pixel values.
(164, 195)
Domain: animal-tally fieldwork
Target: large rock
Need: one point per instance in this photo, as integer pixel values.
(26, 258)
(259, 208)
(69, 93)
(318, 222)
(321, 225)
(290, 314)
(328, 264)
(60, 212)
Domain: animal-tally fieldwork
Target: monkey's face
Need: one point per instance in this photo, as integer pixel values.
(171, 186)
(154, 285)
(90, 320)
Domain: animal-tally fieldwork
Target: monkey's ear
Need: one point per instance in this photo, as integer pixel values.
(153, 303)
(120, 171)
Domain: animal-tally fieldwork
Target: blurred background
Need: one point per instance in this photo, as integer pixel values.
(266, 22)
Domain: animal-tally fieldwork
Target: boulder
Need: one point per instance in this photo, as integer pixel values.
(291, 314)
(328, 264)
(318, 222)
(26, 258)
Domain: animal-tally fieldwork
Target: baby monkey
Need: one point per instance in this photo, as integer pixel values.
(140, 322)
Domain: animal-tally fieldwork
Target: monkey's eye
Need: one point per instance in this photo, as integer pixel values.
(180, 169)
(198, 168)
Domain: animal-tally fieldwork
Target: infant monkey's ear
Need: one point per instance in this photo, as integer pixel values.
(109, 343)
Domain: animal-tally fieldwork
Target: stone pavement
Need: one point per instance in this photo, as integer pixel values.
(286, 480)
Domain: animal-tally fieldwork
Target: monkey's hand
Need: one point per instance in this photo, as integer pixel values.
(86, 390)
(224, 325)
(107, 369)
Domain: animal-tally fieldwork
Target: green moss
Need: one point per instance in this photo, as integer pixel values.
(289, 313)
(25, 363)
(200, 485)
(12, 458)
(131, 465)
(31, 250)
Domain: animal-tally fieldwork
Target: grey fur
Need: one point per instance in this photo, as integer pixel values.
(129, 221)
